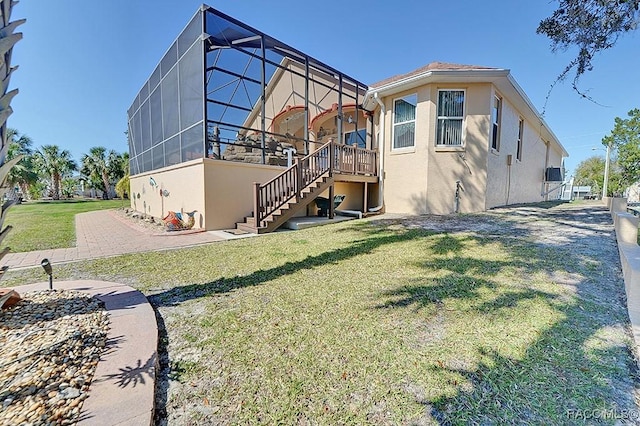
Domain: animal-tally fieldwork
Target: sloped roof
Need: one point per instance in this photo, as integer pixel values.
(429, 67)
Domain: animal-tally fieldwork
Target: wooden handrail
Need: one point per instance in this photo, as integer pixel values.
(288, 185)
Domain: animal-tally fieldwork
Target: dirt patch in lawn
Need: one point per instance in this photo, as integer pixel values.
(557, 258)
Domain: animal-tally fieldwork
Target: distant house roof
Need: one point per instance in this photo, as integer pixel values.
(581, 189)
(429, 67)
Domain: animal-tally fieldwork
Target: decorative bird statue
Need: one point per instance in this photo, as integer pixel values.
(174, 222)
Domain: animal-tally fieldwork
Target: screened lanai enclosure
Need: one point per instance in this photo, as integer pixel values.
(226, 91)
(232, 122)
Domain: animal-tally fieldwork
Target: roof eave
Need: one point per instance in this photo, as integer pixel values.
(543, 123)
(434, 76)
(494, 76)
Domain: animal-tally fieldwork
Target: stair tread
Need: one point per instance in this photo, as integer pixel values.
(276, 218)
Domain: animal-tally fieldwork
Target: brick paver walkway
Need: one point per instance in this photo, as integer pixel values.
(103, 234)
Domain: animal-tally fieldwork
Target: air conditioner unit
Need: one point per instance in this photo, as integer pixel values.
(553, 174)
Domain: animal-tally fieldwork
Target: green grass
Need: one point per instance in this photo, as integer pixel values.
(40, 225)
(380, 324)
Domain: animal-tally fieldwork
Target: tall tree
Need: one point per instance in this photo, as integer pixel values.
(624, 139)
(591, 26)
(23, 173)
(55, 164)
(103, 168)
(590, 172)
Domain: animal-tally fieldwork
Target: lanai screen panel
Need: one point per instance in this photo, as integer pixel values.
(166, 119)
(226, 91)
(261, 94)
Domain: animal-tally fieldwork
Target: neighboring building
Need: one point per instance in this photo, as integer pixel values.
(229, 108)
(633, 193)
(582, 193)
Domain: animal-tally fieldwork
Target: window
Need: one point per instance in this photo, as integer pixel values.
(496, 112)
(520, 132)
(356, 138)
(404, 121)
(450, 117)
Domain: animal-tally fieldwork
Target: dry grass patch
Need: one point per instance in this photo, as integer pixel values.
(379, 323)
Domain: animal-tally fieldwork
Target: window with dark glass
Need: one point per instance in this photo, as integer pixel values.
(520, 133)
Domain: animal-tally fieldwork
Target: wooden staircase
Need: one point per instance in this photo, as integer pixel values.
(287, 210)
(279, 199)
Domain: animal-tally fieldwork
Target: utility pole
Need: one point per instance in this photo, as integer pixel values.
(606, 172)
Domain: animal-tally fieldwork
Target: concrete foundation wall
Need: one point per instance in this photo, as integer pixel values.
(617, 205)
(626, 227)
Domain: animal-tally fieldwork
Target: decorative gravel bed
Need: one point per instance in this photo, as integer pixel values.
(50, 344)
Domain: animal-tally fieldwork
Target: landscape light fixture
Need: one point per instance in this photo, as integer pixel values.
(46, 265)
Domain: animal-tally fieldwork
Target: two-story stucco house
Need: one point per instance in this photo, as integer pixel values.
(249, 131)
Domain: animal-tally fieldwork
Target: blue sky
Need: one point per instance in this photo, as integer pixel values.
(83, 61)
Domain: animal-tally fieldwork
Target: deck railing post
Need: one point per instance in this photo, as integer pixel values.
(331, 159)
(298, 166)
(355, 161)
(256, 204)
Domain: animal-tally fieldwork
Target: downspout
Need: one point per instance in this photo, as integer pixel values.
(383, 113)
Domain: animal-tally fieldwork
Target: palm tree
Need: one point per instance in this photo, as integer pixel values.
(118, 165)
(23, 173)
(55, 164)
(94, 167)
(102, 168)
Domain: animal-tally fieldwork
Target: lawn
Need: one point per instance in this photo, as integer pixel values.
(40, 225)
(380, 323)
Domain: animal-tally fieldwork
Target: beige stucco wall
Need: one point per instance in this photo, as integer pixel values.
(184, 183)
(405, 171)
(522, 182)
(288, 89)
(221, 191)
(466, 164)
(354, 192)
(423, 179)
(229, 190)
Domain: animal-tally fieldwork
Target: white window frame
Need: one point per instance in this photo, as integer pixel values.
(496, 124)
(446, 117)
(394, 124)
(520, 138)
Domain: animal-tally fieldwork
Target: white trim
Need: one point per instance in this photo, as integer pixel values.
(463, 132)
(453, 76)
(412, 147)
